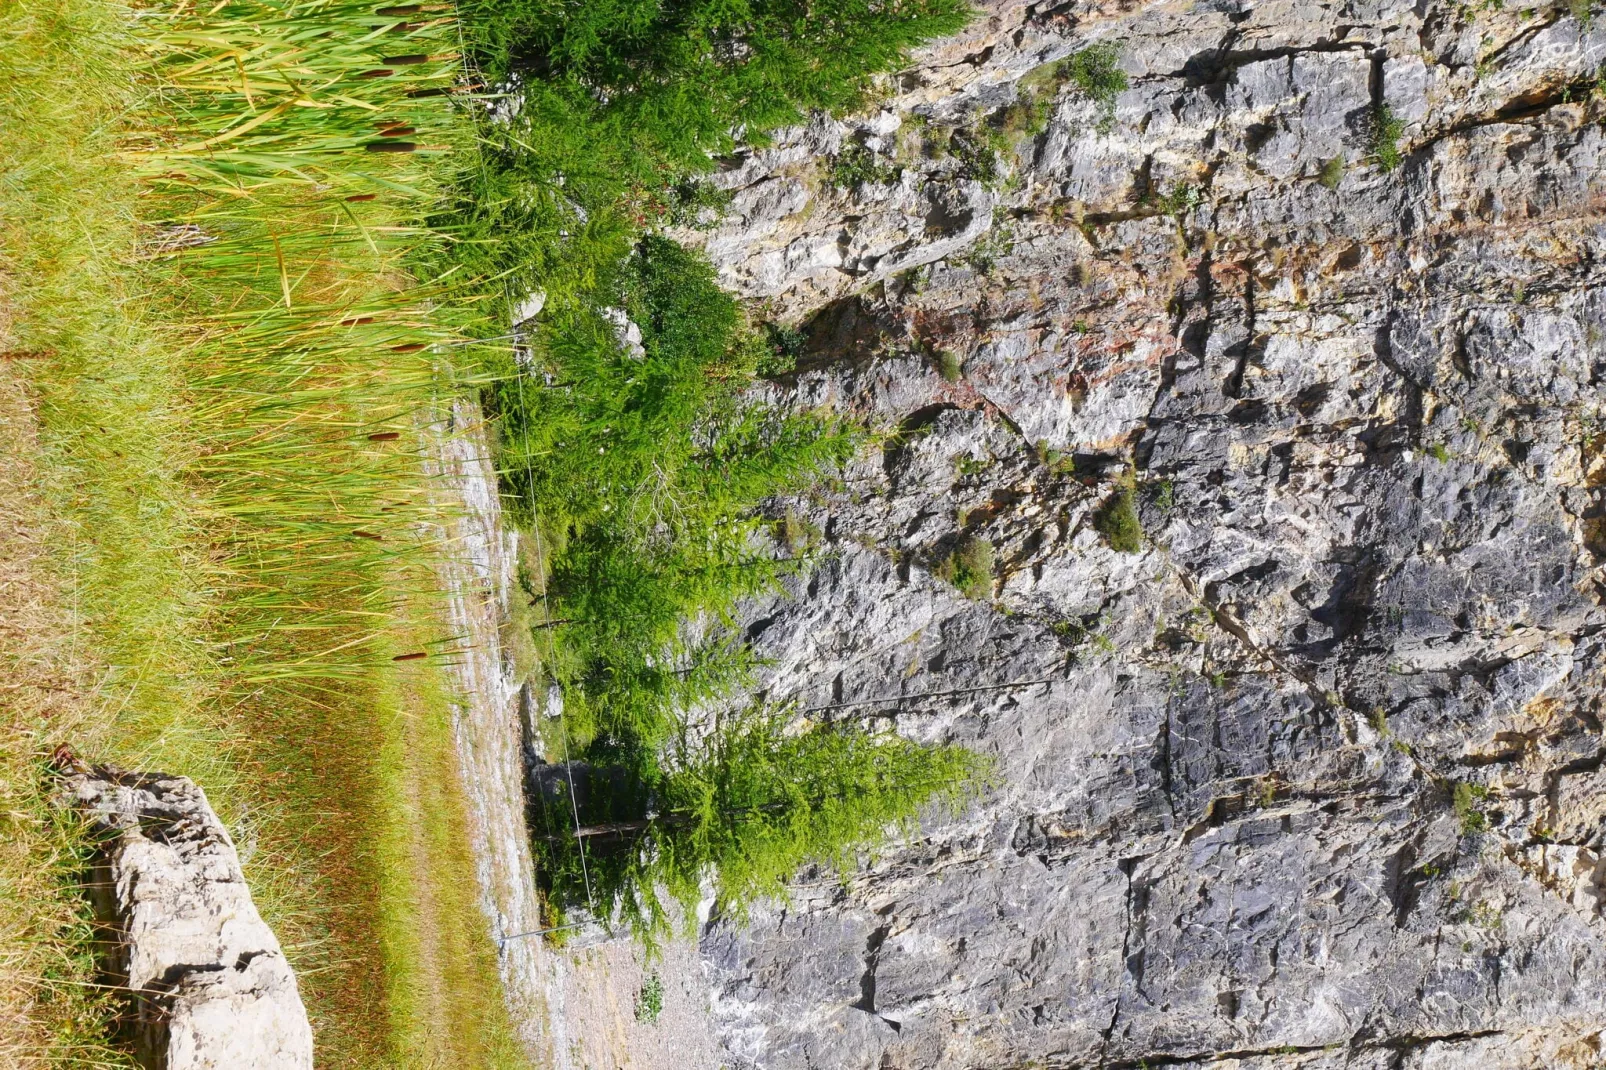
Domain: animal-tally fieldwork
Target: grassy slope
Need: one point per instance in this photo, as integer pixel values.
(344, 798)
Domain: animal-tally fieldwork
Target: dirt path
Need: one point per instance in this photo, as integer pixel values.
(575, 1008)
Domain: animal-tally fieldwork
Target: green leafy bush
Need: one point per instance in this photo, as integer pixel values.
(666, 84)
(1097, 73)
(1464, 800)
(1387, 130)
(650, 1000)
(750, 803)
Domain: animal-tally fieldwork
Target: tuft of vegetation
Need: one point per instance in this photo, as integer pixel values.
(1179, 200)
(798, 533)
(1096, 72)
(1118, 520)
(996, 243)
(1386, 131)
(1332, 172)
(978, 150)
(950, 366)
(970, 568)
(1165, 496)
(858, 164)
(650, 999)
(1438, 451)
(1464, 800)
(694, 204)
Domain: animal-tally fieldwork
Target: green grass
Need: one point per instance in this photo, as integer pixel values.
(221, 443)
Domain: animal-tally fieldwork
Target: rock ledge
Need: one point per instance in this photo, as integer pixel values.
(211, 987)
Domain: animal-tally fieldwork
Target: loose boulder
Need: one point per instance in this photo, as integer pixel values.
(210, 986)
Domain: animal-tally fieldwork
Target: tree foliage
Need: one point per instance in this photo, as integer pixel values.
(629, 437)
(754, 801)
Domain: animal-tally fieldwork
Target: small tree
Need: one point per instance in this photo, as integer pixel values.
(754, 803)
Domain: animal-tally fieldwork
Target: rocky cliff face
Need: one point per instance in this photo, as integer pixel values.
(1313, 779)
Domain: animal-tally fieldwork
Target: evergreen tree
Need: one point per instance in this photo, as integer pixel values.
(754, 803)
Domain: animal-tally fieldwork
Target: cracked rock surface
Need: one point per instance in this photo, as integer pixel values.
(1313, 778)
(211, 988)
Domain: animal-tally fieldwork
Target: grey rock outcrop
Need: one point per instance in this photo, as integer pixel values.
(211, 988)
(1315, 778)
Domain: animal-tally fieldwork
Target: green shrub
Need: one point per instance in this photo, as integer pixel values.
(998, 242)
(857, 165)
(1464, 800)
(747, 804)
(666, 84)
(1179, 199)
(970, 568)
(1118, 521)
(1387, 130)
(695, 204)
(797, 533)
(1332, 172)
(977, 152)
(784, 349)
(949, 366)
(1097, 73)
(650, 1000)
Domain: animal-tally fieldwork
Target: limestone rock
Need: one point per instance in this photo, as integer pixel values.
(1315, 779)
(212, 989)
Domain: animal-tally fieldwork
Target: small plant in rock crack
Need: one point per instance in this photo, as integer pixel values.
(1332, 172)
(785, 349)
(977, 150)
(1097, 73)
(1464, 799)
(650, 1000)
(949, 366)
(1118, 521)
(1165, 496)
(1387, 130)
(997, 242)
(797, 533)
(970, 568)
(1179, 200)
(858, 165)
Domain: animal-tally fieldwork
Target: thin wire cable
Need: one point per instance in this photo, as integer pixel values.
(529, 474)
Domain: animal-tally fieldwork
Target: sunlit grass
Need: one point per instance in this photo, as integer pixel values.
(217, 372)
